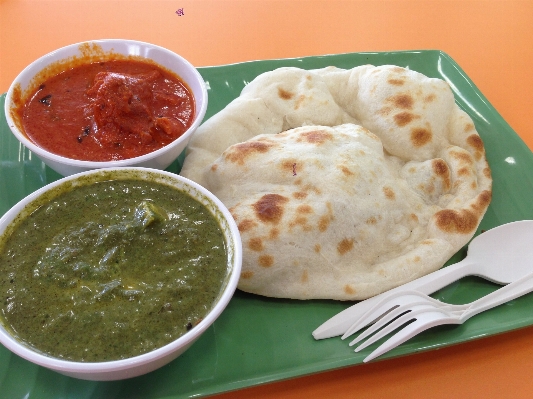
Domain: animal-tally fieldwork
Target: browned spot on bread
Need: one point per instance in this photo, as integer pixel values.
(269, 208)
(246, 225)
(473, 185)
(475, 141)
(266, 260)
(420, 136)
(427, 242)
(413, 217)
(299, 220)
(396, 82)
(371, 220)
(289, 165)
(317, 248)
(346, 171)
(304, 209)
(325, 220)
(241, 151)
(482, 201)
(469, 127)
(429, 98)
(214, 167)
(440, 167)
(311, 187)
(487, 173)
(389, 193)
(284, 94)
(299, 101)
(485, 197)
(256, 244)
(274, 233)
(348, 289)
(463, 221)
(403, 101)
(404, 118)
(416, 259)
(247, 274)
(305, 277)
(398, 69)
(315, 137)
(299, 195)
(385, 111)
(463, 172)
(462, 156)
(345, 245)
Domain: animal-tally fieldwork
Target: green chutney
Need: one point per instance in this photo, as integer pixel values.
(111, 270)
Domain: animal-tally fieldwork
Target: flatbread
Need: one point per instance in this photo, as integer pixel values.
(344, 183)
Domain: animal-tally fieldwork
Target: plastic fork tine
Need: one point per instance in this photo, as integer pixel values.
(390, 316)
(384, 307)
(371, 316)
(382, 321)
(397, 318)
(407, 333)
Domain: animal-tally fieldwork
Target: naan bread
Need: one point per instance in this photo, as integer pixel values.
(344, 183)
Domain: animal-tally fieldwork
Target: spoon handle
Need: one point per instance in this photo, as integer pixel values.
(502, 295)
(341, 322)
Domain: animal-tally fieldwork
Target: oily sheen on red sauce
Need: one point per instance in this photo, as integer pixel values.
(111, 110)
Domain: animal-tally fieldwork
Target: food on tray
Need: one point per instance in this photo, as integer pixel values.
(112, 110)
(111, 270)
(344, 183)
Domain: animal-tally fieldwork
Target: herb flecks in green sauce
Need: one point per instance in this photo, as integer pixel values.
(111, 270)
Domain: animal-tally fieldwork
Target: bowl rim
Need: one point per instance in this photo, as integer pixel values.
(41, 152)
(186, 339)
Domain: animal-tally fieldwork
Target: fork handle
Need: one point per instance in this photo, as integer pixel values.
(428, 284)
(507, 293)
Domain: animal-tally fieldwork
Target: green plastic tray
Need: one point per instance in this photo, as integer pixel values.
(257, 339)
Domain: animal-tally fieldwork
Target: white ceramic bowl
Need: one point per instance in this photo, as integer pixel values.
(138, 365)
(100, 50)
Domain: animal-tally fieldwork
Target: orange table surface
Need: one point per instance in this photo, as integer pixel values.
(490, 40)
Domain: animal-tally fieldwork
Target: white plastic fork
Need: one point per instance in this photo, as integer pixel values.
(426, 313)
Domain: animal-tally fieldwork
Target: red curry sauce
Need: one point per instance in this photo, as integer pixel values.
(111, 110)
